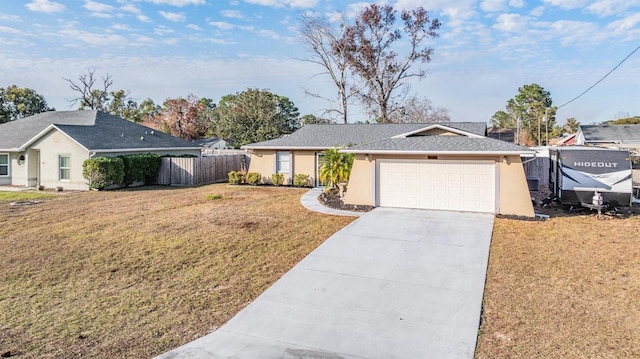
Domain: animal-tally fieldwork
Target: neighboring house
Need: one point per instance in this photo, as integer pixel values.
(568, 140)
(214, 143)
(502, 134)
(48, 149)
(618, 136)
(450, 166)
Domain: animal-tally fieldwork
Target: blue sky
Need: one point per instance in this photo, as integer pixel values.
(171, 48)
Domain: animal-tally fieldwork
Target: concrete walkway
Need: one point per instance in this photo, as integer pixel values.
(395, 283)
(310, 201)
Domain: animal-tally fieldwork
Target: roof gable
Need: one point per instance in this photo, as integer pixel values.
(93, 130)
(15, 134)
(437, 130)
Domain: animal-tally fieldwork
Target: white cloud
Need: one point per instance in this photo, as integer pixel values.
(121, 27)
(578, 33)
(567, 4)
(93, 39)
(163, 30)
(283, 3)
(194, 27)
(10, 30)
(101, 15)
(604, 8)
(45, 6)
(626, 23)
(222, 25)
(233, 14)
(173, 16)
(517, 3)
(511, 22)
(178, 3)
(136, 11)
(538, 11)
(218, 41)
(492, 5)
(10, 17)
(97, 7)
(268, 33)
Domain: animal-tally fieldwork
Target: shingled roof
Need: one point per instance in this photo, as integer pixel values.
(93, 130)
(610, 133)
(439, 144)
(327, 136)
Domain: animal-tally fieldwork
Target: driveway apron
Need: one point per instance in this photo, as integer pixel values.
(395, 283)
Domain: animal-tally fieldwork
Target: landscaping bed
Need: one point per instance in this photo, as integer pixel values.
(332, 199)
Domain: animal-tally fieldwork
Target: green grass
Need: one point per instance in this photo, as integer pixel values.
(23, 196)
(213, 197)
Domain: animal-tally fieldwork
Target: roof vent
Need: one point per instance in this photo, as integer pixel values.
(142, 138)
(122, 134)
(152, 132)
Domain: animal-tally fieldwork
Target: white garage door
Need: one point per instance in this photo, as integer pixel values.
(446, 185)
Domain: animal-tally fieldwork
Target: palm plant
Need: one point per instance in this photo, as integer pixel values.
(336, 168)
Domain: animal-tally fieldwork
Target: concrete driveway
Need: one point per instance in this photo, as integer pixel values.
(395, 283)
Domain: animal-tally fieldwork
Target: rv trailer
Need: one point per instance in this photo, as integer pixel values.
(576, 173)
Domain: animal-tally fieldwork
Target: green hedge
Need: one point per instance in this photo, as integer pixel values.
(103, 171)
(141, 167)
(122, 170)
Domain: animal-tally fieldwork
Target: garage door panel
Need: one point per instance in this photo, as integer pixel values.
(447, 185)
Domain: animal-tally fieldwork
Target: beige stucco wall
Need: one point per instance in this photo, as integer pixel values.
(305, 163)
(360, 187)
(263, 162)
(51, 146)
(514, 196)
(513, 192)
(301, 162)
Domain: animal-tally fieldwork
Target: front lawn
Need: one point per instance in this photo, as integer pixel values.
(132, 274)
(568, 287)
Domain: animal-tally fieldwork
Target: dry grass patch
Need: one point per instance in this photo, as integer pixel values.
(136, 273)
(564, 288)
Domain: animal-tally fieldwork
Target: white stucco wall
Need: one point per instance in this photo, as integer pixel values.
(53, 145)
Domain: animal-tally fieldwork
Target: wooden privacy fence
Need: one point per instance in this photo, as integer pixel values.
(196, 171)
(538, 168)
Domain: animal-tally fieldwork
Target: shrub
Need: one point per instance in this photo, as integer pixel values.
(235, 177)
(277, 179)
(336, 168)
(254, 178)
(301, 180)
(140, 167)
(103, 171)
(212, 197)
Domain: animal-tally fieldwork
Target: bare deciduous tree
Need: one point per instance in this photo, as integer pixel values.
(96, 94)
(375, 59)
(326, 44)
(420, 110)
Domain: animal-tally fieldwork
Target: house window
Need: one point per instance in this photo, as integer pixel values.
(65, 168)
(4, 164)
(282, 162)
